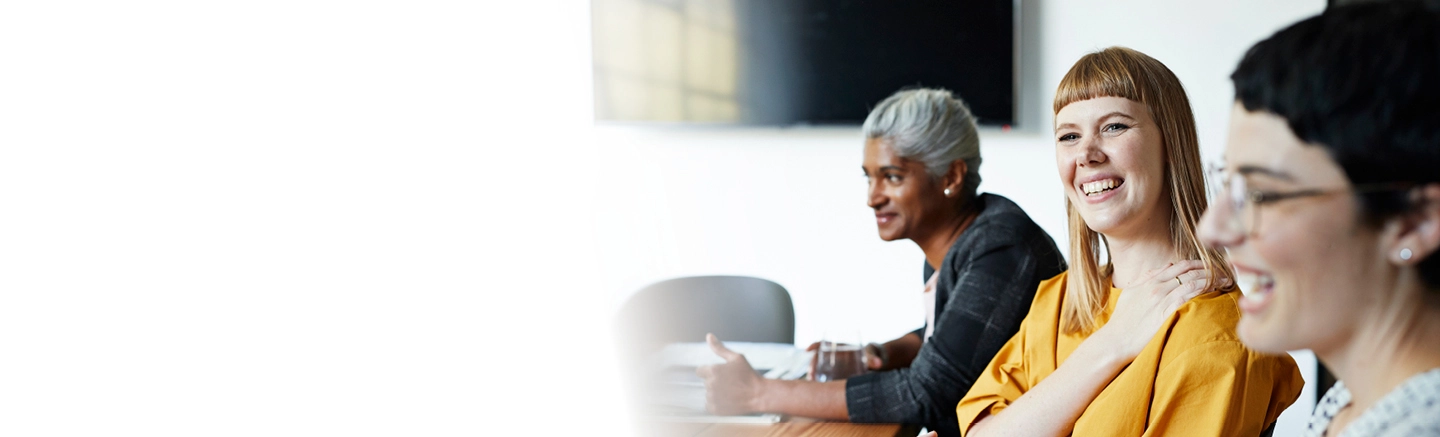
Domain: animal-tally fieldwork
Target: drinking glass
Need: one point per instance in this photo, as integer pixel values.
(835, 361)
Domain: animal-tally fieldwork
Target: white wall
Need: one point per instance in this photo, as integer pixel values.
(298, 217)
(788, 204)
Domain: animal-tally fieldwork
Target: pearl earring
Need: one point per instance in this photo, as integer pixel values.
(1405, 254)
(947, 192)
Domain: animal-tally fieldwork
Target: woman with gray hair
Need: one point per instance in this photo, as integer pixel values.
(984, 258)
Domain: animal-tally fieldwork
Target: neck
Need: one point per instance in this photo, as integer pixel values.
(938, 243)
(1393, 341)
(1135, 253)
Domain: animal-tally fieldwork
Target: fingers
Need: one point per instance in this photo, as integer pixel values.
(1153, 273)
(1167, 275)
(720, 349)
(1184, 293)
(928, 434)
(1175, 269)
(705, 372)
(812, 346)
(1192, 277)
(712, 404)
(1201, 280)
(874, 356)
(1200, 287)
(1168, 271)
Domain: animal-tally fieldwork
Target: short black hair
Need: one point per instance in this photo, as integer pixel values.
(1363, 82)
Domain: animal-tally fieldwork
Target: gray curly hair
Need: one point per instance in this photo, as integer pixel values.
(931, 126)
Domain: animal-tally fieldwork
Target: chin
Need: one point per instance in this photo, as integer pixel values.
(1097, 221)
(889, 235)
(1108, 217)
(1101, 225)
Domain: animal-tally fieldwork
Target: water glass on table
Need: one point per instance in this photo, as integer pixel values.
(837, 361)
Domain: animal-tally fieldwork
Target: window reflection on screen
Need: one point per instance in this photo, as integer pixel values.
(783, 62)
(665, 60)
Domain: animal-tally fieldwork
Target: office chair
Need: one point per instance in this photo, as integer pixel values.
(735, 308)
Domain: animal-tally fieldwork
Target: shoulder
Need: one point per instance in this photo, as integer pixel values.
(1423, 420)
(1203, 331)
(1051, 292)
(1000, 213)
(1411, 409)
(1001, 224)
(1042, 318)
(1053, 286)
(1207, 318)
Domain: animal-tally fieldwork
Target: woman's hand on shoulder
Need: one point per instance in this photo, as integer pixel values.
(1143, 307)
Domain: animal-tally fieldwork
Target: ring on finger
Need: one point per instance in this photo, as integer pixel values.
(1177, 279)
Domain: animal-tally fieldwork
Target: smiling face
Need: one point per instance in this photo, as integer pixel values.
(1311, 263)
(1111, 162)
(905, 198)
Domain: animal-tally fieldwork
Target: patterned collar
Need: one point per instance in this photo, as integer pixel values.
(1414, 405)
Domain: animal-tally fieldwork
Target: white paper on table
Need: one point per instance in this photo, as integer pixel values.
(779, 359)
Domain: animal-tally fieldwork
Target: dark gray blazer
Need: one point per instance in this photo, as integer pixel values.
(985, 288)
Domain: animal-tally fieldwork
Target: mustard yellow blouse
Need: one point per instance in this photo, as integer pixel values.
(1193, 378)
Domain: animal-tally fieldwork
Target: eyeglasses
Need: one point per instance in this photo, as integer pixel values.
(1244, 204)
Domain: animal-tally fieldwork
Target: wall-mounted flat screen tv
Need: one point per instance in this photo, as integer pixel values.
(789, 62)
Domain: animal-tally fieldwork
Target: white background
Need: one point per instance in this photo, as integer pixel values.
(386, 218)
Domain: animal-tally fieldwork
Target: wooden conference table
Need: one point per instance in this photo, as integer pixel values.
(791, 428)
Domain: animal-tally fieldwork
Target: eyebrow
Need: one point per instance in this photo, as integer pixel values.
(1249, 170)
(885, 168)
(1112, 114)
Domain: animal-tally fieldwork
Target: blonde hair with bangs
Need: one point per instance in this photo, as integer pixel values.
(1125, 73)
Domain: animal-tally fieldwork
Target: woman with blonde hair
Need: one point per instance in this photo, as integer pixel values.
(1138, 338)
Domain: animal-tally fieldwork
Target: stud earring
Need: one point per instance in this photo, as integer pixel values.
(947, 192)
(1405, 254)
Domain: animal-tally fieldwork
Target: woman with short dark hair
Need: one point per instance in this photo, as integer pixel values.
(1331, 207)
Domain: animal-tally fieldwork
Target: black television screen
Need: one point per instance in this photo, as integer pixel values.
(785, 62)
